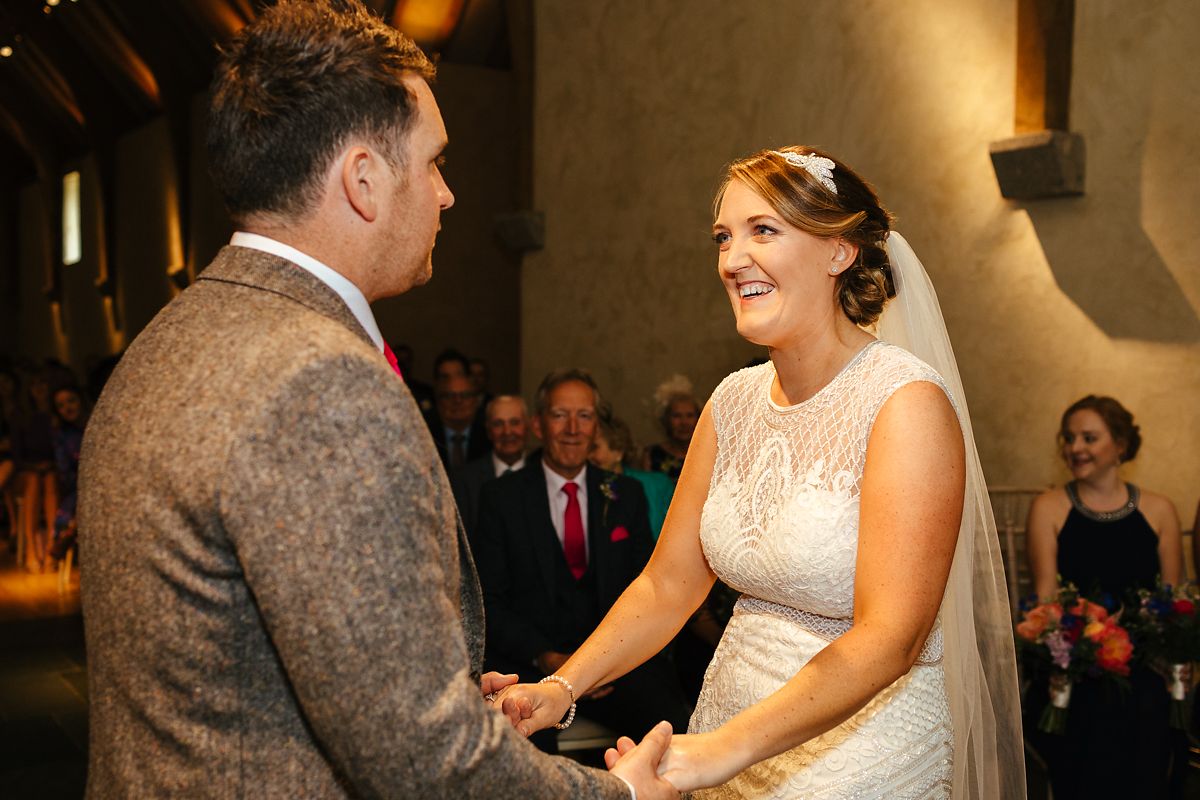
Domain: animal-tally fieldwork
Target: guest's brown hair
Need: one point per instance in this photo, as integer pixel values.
(1116, 417)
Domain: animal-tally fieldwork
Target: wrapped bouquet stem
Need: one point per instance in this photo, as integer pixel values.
(1166, 629)
(1054, 716)
(1075, 640)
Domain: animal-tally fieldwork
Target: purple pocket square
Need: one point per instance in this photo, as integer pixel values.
(619, 534)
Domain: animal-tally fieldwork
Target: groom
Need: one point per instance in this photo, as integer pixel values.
(277, 594)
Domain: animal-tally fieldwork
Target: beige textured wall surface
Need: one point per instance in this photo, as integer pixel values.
(638, 106)
(473, 299)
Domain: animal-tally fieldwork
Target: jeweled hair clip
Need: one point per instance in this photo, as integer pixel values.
(819, 167)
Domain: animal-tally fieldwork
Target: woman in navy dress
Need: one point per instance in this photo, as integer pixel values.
(1109, 538)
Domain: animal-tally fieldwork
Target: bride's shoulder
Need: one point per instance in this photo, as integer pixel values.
(742, 381)
(892, 367)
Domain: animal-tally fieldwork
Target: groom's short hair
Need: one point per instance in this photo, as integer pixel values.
(292, 88)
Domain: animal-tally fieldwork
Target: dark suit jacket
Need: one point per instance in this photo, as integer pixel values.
(277, 596)
(478, 444)
(466, 481)
(517, 549)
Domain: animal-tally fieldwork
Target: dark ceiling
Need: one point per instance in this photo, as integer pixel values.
(76, 74)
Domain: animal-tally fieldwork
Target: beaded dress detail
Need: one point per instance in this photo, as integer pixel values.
(780, 525)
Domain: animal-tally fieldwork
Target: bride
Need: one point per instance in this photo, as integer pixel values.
(838, 488)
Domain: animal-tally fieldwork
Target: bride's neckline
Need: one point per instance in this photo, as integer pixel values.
(824, 390)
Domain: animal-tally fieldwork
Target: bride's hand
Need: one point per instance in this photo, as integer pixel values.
(531, 707)
(698, 761)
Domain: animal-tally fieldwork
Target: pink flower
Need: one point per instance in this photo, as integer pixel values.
(1060, 649)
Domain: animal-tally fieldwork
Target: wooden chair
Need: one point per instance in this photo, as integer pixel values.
(1011, 507)
(20, 504)
(64, 571)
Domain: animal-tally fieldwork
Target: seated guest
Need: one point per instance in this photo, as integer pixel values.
(555, 545)
(8, 464)
(71, 415)
(448, 364)
(456, 427)
(678, 418)
(614, 451)
(507, 423)
(481, 376)
(33, 448)
(8, 468)
(1109, 538)
(422, 392)
(693, 648)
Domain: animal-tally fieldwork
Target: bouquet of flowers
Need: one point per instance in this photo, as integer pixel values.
(1076, 639)
(1166, 630)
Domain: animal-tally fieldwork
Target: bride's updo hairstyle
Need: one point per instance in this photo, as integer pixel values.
(802, 196)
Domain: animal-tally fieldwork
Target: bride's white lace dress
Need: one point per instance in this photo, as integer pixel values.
(781, 525)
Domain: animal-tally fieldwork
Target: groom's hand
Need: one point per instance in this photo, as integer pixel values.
(493, 682)
(638, 764)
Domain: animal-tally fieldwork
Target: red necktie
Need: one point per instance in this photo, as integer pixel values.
(573, 546)
(391, 357)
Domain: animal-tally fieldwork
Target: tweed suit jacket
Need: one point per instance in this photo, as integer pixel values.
(518, 553)
(277, 596)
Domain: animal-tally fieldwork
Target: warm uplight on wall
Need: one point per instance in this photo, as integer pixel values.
(429, 22)
(72, 242)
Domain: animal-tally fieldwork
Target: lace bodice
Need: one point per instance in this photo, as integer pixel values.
(781, 519)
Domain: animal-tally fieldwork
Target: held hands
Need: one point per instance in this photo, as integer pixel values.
(531, 707)
(640, 764)
(692, 761)
(493, 682)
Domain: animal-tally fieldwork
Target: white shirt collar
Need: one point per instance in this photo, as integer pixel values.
(555, 482)
(351, 295)
(499, 467)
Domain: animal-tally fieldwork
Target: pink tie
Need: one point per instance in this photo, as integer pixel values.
(391, 357)
(573, 546)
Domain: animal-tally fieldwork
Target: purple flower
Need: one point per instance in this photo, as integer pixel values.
(1060, 649)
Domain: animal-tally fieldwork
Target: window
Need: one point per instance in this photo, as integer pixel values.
(72, 243)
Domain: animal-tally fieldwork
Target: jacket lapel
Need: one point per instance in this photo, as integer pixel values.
(598, 550)
(258, 270)
(546, 547)
(471, 604)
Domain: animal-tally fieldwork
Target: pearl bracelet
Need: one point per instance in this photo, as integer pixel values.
(562, 726)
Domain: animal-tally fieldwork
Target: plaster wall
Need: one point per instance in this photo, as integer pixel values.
(638, 105)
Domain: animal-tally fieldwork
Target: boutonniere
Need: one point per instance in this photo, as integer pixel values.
(609, 490)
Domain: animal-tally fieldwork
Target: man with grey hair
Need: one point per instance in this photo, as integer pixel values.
(556, 544)
(278, 598)
(506, 420)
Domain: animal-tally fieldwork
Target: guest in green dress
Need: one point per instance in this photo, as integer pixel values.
(614, 451)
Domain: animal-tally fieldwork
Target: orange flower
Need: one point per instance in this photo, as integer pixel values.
(1039, 618)
(1097, 630)
(1115, 649)
(1092, 612)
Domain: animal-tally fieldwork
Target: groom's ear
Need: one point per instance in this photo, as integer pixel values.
(535, 422)
(360, 180)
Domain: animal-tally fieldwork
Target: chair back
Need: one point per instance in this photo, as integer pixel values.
(1011, 507)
